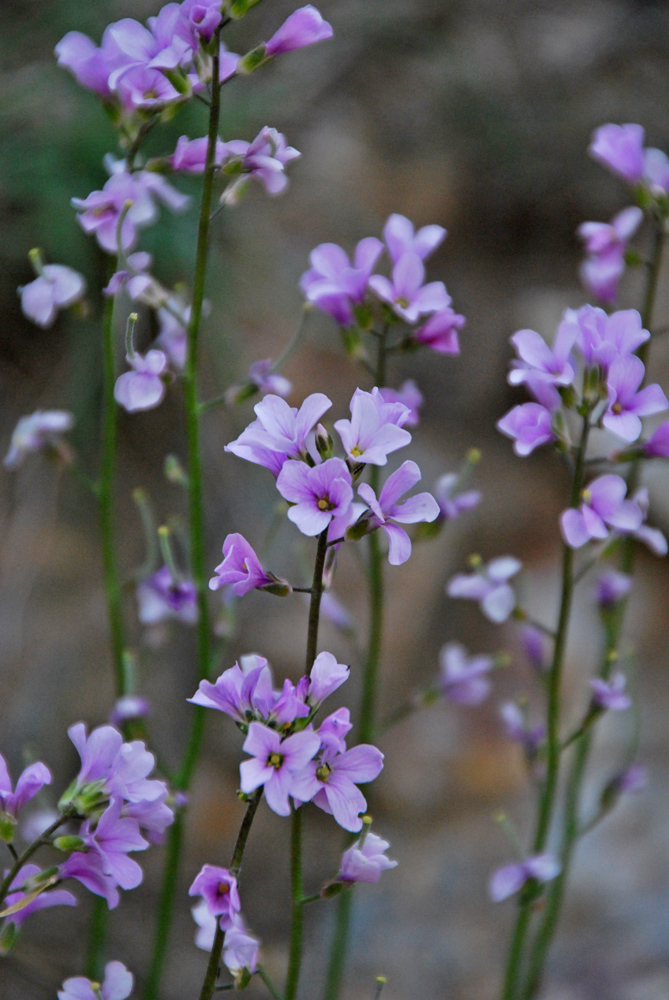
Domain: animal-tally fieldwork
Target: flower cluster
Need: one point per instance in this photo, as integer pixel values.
(342, 288)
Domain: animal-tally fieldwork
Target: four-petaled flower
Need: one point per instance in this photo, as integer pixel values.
(626, 405)
(331, 782)
(240, 568)
(276, 763)
(55, 288)
(489, 586)
(364, 862)
(406, 294)
(388, 508)
(510, 879)
(334, 284)
(376, 428)
(218, 888)
(319, 495)
(604, 506)
(142, 388)
(117, 985)
(464, 678)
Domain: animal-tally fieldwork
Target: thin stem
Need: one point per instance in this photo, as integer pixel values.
(553, 748)
(268, 983)
(297, 922)
(339, 947)
(209, 984)
(43, 839)
(107, 472)
(315, 603)
(97, 931)
(196, 524)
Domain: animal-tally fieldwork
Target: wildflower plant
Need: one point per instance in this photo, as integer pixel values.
(330, 473)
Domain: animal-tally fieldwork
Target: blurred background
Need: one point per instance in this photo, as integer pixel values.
(476, 115)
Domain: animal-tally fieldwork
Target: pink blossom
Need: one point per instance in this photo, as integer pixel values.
(657, 445)
(242, 692)
(38, 432)
(605, 245)
(388, 509)
(318, 495)
(410, 396)
(325, 676)
(451, 506)
(51, 897)
(620, 148)
(364, 862)
(190, 155)
(509, 880)
(529, 425)
(406, 294)
(538, 360)
(55, 288)
(400, 238)
(218, 887)
(610, 694)
(304, 26)
(142, 388)
(602, 338)
(280, 432)
(31, 781)
(463, 678)
(111, 839)
(241, 568)
(604, 506)
(116, 985)
(375, 428)
(161, 598)
(335, 285)
(489, 586)
(331, 782)
(264, 159)
(276, 763)
(240, 949)
(626, 405)
(440, 333)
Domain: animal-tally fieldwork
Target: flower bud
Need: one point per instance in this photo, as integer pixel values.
(324, 443)
(252, 61)
(238, 8)
(8, 937)
(69, 844)
(7, 824)
(174, 471)
(358, 530)
(278, 587)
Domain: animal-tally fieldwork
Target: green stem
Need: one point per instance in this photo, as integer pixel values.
(107, 472)
(268, 983)
(571, 828)
(315, 603)
(196, 523)
(553, 747)
(337, 960)
(209, 984)
(296, 892)
(97, 931)
(43, 839)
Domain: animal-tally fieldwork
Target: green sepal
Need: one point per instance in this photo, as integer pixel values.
(69, 844)
(8, 937)
(238, 8)
(7, 826)
(252, 61)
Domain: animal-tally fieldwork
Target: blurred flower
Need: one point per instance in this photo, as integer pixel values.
(265, 159)
(406, 294)
(38, 432)
(462, 678)
(509, 880)
(604, 506)
(389, 509)
(365, 862)
(55, 288)
(400, 238)
(218, 888)
(529, 425)
(605, 244)
(304, 26)
(612, 587)
(410, 396)
(610, 695)
(489, 586)
(31, 781)
(440, 333)
(335, 285)
(160, 598)
(452, 506)
(620, 148)
(117, 985)
(142, 388)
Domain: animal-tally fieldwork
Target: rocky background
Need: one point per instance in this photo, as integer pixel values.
(474, 114)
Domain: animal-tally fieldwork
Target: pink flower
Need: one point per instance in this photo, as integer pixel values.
(400, 238)
(375, 428)
(190, 155)
(335, 285)
(462, 678)
(489, 586)
(264, 159)
(410, 396)
(626, 405)
(389, 508)
(610, 694)
(452, 506)
(364, 862)
(31, 781)
(56, 287)
(51, 897)
(304, 26)
(509, 880)
(529, 426)
(406, 294)
(331, 782)
(318, 495)
(620, 148)
(116, 985)
(280, 432)
(38, 432)
(241, 568)
(276, 763)
(218, 887)
(440, 333)
(605, 245)
(538, 360)
(142, 388)
(161, 598)
(242, 692)
(604, 506)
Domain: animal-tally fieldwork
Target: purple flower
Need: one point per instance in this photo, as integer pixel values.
(280, 432)
(489, 586)
(142, 388)
(134, 278)
(334, 284)
(518, 729)
(610, 694)
(161, 598)
(389, 508)
(52, 897)
(450, 506)
(440, 333)
(100, 212)
(612, 587)
(406, 294)
(620, 148)
(218, 887)
(656, 172)
(206, 924)
(364, 862)
(31, 781)
(240, 949)
(509, 880)
(241, 568)
(88, 64)
(305, 26)
(241, 691)
(87, 869)
(657, 445)
(538, 360)
(265, 159)
(117, 985)
(626, 405)
(190, 155)
(410, 396)
(146, 87)
(651, 537)
(334, 729)
(153, 816)
(276, 763)
(204, 16)
(400, 238)
(604, 506)
(38, 432)
(111, 839)
(267, 381)
(375, 428)
(529, 425)
(325, 676)
(331, 782)
(602, 338)
(319, 495)
(462, 678)
(534, 645)
(127, 708)
(605, 245)
(56, 287)
(634, 779)
(290, 703)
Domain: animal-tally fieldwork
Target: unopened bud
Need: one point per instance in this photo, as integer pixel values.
(252, 61)
(473, 456)
(475, 560)
(333, 889)
(278, 587)
(68, 844)
(358, 530)
(8, 937)
(7, 825)
(238, 8)
(174, 471)
(324, 443)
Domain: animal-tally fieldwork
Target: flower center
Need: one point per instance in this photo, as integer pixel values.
(617, 408)
(586, 495)
(150, 95)
(275, 760)
(324, 504)
(223, 888)
(323, 772)
(402, 302)
(357, 451)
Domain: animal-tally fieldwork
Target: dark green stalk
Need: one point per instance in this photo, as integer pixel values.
(337, 961)
(97, 931)
(268, 983)
(571, 829)
(107, 473)
(553, 748)
(209, 984)
(315, 603)
(196, 523)
(296, 892)
(44, 838)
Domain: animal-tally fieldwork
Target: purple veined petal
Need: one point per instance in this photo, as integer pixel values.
(118, 982)
(542, 867)
(605, 494)
(421, 507)
(593, 522)
(473, 587)
(360, 764)
(277, 790)
(627, 222)
(309, 519)
(573, 527)
(261, 741)
(399, 544)
(650, 400)
(398, 483)
(367, 253)
(503, 568)
(346, 802)
(32, 781)
(498, 603)
(253, 774)
(627, 517)
(507, 881)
